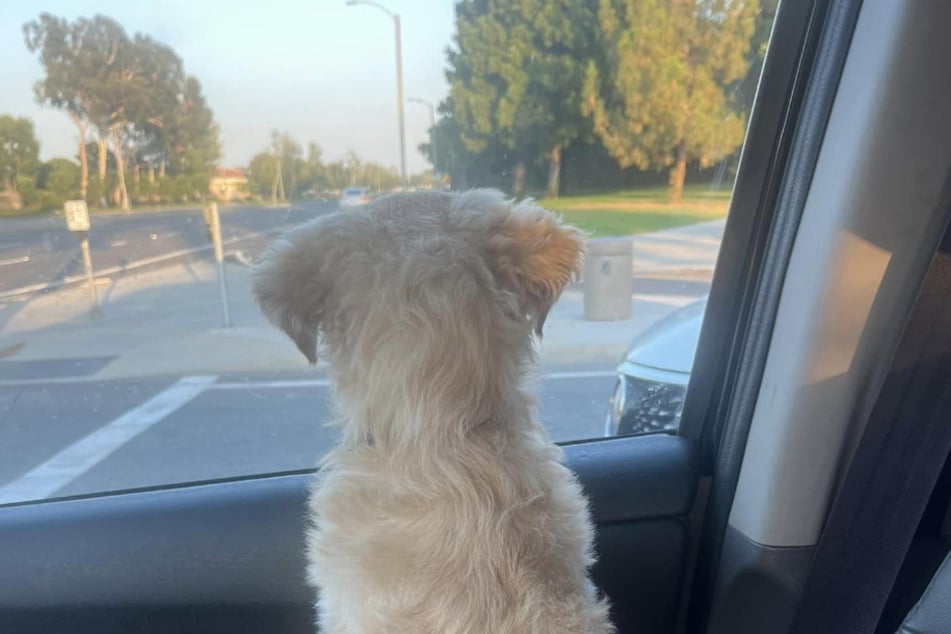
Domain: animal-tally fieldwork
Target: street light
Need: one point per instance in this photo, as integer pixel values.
(432, 125)
(399, 78)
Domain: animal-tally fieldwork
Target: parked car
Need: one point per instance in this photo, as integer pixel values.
(652, 379)
(354, 197)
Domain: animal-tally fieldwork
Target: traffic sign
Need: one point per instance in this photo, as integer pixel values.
(77, 215)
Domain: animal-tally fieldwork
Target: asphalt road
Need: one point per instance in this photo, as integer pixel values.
(93, 436)
(85, 436)
(38, 250)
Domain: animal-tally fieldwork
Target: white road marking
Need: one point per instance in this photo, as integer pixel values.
(273, 385)
(19, 260)
(303, 383)
(73, 461)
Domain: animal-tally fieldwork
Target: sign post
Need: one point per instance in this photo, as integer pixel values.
(213, 221)
(77, 221)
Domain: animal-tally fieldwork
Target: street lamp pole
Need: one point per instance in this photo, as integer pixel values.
(432, 126)
(399, 78)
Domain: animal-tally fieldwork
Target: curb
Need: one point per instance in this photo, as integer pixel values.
(289, 362)
(686, 273)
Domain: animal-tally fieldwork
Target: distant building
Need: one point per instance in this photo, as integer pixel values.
(228, 184)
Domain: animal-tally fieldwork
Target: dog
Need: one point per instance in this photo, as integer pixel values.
(445, 508)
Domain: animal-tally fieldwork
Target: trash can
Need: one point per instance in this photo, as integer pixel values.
(607, 279)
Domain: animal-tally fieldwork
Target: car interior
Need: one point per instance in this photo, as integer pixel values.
(808, 489)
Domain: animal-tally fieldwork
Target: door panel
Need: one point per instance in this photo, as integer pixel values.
(203, 554)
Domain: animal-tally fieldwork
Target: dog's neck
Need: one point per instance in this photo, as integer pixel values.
(443, 408)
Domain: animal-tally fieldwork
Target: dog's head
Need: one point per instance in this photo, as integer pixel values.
(459, 269)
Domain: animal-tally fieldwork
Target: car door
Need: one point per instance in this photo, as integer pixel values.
(166, 531)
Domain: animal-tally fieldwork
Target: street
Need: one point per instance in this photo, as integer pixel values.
(156, 391)
(92, 436)
(40, 250)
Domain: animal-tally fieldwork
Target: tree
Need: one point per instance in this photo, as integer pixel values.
(377, 177)
(663, 95)
(58, 181)
(285, 153)
(746, 88)
(310, 171)
(336, 176)
(19, 151)
(185, 138)
(131, 97)
(465, 167)
(133, 92)
(516, 76)
(65, 54)
(262, 173)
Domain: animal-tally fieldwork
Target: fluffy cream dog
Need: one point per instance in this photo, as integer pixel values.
(445, 509)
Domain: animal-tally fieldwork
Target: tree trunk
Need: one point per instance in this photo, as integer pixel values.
(518, 186)
(151, 175)
(277, 178)
(120, 172)
(554, 172)
(678, 173)
(103, 162)
(161, 169)
(83, 161)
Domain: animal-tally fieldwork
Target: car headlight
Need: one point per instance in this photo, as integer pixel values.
(639, 406)
(616, 408)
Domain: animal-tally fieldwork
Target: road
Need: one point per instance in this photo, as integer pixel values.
(38, 250)
(94, 436)
(65, 432)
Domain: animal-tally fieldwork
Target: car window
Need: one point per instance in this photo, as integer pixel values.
(149, 155)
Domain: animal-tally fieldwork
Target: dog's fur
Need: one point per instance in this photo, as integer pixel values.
(445, 509)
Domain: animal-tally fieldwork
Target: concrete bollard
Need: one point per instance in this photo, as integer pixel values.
(607, 279)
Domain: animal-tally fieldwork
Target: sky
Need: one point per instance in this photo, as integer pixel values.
(321, 70)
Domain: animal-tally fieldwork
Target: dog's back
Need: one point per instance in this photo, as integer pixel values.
(494, 539)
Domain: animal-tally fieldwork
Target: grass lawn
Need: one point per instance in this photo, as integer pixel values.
(639, 211)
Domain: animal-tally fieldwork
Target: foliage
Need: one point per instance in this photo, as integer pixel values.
(262, 173)
(60, 177)
(284, 173)
(129, 92)
(663, 95)
(19, 151)
(185, 140)
(516, 75)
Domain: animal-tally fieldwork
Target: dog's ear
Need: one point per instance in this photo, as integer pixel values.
(288, 286)
(535, 256)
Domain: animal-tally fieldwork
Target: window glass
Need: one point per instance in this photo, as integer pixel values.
(150, 151)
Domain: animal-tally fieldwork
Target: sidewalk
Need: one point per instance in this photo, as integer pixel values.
(690, 247)
(169, 321)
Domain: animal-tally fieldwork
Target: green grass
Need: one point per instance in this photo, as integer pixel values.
(621, 223)
(639, 211)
